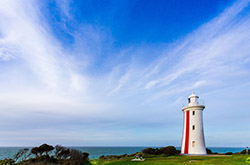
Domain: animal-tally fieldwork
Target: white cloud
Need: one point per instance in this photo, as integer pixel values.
(39, 75)
(28, 38)
(205, 54)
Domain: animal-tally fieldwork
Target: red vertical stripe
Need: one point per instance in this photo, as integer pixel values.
(187, 133)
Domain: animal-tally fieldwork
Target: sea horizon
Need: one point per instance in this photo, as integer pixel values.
(97, 151)
(125, 146)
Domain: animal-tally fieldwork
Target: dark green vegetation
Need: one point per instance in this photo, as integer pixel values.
(167, 151)
(146, 153)
(47, 154)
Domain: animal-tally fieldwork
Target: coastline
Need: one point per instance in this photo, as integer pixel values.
(96, 151)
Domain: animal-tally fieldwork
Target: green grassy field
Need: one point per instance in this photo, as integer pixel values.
(220, 160)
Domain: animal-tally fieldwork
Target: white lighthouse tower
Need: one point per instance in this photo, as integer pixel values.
(193, 141)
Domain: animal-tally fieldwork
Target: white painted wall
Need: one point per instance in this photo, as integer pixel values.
(197, 134)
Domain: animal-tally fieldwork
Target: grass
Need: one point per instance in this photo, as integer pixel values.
(172, 160)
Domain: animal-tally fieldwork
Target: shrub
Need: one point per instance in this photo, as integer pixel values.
(169, 150)
(78, 158)
(85, 155)
(62, 152)
(7, 162)
(178, 152)
(102, 157)
(209, 151)
(133, 154)
(148, 151)
(157, 151)
(243, 151)
(112, 157)
(228, 153)
(43, 159)
(35, 151)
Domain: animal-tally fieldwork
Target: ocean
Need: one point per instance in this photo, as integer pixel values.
(96, 152)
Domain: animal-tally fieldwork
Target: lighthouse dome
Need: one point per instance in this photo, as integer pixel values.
(193, 95)
(193, 99)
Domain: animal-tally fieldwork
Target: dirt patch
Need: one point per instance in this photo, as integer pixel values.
(191, 161)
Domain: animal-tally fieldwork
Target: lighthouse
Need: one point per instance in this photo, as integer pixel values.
(193, 141)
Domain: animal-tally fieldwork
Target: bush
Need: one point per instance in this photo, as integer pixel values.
(133, 154)
(112, 157)
(243, 151)
(178, 152)
(169, 150)
(78, 158)
(152, 151)
(35, 151)
(157, 151)
(209, 151)
(7, 162)
(62, 152)
(228, 153)
(148, 151)
(85, 155)
(44, 159)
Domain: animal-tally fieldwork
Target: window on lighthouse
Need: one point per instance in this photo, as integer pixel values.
(193, 127)
(193, 113)
(193, 143)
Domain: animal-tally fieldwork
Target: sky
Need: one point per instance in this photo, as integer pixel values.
(117, 73)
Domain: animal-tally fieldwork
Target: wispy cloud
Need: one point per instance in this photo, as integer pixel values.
(38, 74)
(206, 55)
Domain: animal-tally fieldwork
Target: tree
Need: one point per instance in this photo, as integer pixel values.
(78, 158)
(21, 154)
(45, 148)
(85, 155)
(61, 152)
(35, 151)
(62, 155)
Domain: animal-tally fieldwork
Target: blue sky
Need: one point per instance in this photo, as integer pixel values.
(116, 73)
